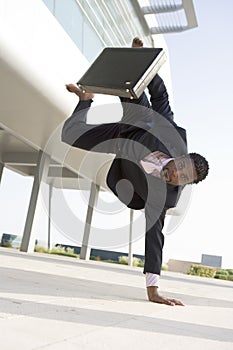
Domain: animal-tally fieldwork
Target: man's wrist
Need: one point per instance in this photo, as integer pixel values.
(86, 103)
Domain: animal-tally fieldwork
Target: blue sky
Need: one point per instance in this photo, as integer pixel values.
(202, 74)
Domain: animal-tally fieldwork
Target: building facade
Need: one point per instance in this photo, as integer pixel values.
(44, 45)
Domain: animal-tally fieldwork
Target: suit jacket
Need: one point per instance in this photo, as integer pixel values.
(128, 180)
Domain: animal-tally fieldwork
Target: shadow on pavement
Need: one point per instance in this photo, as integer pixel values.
(114, 319)
(28, 282)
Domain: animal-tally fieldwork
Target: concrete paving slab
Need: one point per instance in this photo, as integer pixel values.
(51, 302)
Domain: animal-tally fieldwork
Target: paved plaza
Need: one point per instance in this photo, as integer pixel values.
(59, 303)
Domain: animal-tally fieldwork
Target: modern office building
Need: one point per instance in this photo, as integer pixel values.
(43, 45)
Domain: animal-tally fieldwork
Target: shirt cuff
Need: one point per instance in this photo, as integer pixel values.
(152, 279)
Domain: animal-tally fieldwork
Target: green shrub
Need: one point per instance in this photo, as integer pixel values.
(138, 262)
(222, 272)
(194, 270)
(98, 258)
(57, 251)
(7, 245)
(39, 249)
(92, 257)
(110, 261)
(63, 251)
(203, 271)
(123, 260)
(221, 277)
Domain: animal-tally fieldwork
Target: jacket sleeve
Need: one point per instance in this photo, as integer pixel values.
(154, 242)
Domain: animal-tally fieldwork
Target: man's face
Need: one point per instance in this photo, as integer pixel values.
(179, 171)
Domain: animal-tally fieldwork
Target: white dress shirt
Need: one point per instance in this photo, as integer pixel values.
(155, 162)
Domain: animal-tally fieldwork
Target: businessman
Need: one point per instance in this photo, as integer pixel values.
(151, 166)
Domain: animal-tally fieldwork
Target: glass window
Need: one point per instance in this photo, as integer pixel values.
(70, 17)
(92, 25)
(92, 45)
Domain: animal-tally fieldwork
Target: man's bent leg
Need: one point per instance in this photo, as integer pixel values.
(99, 138)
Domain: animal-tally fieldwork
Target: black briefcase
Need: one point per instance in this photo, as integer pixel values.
(122, 72)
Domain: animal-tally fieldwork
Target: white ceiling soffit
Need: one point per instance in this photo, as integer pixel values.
(168, 16)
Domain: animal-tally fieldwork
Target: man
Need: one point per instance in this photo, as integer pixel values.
(151, 166)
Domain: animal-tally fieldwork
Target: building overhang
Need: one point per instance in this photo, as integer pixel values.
(165, 17)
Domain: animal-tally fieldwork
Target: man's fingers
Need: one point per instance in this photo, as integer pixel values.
(177, 302)
(166, 301)
(162, 300)
(169, 302)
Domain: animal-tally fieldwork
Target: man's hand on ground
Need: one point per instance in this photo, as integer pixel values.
(154, 296)
(82, 95)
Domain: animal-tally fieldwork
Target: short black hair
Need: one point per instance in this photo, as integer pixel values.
(201, 166)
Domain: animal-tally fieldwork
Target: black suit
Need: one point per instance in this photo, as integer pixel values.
(144, 128)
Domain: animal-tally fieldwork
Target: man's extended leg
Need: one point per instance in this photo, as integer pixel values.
(159, 98)
(77, 133)
(132, 114)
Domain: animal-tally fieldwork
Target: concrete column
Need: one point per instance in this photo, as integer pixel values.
(49, 214)
(85, 249)
(40, 174)
(130, 255)
(1, 170)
